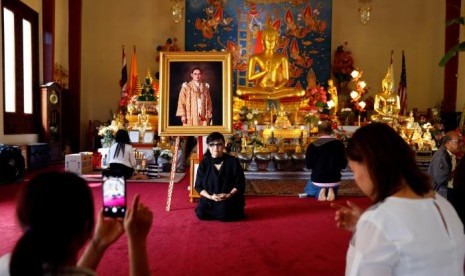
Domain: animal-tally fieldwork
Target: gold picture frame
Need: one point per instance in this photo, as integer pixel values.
(176, 71)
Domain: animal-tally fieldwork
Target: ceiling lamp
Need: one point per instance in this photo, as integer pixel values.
(364, 11)
(177, 10)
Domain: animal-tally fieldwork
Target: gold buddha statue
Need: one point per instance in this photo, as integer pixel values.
(143, 119)
(282, 121)
(270, 72)
(387, 103)
(332, 90)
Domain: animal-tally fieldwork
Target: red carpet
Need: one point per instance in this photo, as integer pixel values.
(281, 236)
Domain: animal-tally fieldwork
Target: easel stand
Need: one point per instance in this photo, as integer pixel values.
(174, 161)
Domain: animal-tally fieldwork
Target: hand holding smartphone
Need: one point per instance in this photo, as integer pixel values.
(114, 196)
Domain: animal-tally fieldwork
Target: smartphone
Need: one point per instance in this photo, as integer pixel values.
(114, 196)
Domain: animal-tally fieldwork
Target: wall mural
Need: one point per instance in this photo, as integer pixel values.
(236, 25)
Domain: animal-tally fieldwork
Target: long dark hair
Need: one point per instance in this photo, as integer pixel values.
(388, 158)
(56, 212)
(121, 138)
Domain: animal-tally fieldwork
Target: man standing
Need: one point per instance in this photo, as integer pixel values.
(326, 158)
(443, 164)
(194, 103)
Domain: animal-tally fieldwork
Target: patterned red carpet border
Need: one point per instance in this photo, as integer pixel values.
(283, 187)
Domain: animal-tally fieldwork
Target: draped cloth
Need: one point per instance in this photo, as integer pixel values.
(195, 103)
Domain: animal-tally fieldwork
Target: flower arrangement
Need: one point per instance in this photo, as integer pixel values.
(342, 134)
(124, 100)
(248, 115)
(171, 45)
(312, 117)
(166, 154)
(343, 63)
(107, 132)
(318, 99)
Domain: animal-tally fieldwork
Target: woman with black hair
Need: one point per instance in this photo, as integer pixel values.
(56, 213)
(220, 181)
(410, 229)
(121, 156)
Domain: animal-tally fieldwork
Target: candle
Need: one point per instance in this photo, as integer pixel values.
(358, 120)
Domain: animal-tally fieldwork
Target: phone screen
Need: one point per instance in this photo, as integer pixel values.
(114, 196)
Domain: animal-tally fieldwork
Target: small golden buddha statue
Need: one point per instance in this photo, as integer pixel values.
(428, 142)
(387, 103)
(244, 145)
(164, 142)
(332, 90)
(143, 119)
(270, 72)
(120, 120)
(282, 120)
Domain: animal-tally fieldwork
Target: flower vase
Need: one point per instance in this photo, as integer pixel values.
(106, 143)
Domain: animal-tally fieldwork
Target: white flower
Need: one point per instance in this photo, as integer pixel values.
(166, 154)
(249, 116)
(427, 125)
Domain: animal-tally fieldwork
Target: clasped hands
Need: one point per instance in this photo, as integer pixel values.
(220, 197)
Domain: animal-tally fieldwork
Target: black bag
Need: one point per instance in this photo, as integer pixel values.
(11, 164)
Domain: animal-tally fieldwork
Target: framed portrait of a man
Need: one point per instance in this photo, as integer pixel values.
(195, 93)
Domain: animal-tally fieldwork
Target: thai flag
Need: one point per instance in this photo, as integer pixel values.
(124, 74)
(402, 90)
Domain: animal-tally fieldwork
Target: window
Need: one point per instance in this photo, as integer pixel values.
(21, 110)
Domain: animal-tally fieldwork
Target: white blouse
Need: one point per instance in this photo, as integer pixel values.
(408, 237)
(128, 159)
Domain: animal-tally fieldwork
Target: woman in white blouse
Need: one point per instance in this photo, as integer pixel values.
(121, 156)
(410, 229)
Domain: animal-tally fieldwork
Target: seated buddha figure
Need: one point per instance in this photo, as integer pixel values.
(387, 103)
(143, 119)
(282, 121)
(269, 71)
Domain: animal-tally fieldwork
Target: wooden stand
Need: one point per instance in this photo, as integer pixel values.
(193, 171)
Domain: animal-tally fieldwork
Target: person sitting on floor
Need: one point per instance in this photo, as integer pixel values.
(326, 158)
(220, 181)
(121, 157)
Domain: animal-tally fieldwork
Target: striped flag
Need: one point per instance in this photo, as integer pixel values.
(124, 74)
(402, 90)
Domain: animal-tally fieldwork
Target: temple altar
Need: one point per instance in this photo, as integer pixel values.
(133, 121)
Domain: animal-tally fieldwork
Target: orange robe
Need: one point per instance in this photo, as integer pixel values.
(195, 103)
